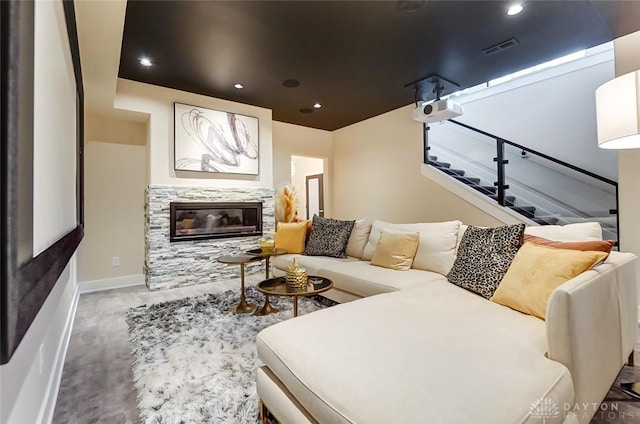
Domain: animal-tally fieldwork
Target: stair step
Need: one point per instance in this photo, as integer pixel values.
(508, 199)
(467, 180)
(550, 220)
(440, 164)
(527, 211)
(452, 171)
(485, 189)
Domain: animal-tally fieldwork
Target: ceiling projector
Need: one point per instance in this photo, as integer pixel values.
(436, 111)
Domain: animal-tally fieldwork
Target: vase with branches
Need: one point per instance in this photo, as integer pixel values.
(286, 200)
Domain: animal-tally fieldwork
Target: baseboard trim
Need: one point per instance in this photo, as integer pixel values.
(111, 283)
(53, 387)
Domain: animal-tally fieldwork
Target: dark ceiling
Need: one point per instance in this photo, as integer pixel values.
(354, 57)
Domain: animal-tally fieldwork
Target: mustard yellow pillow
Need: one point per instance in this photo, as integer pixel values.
(536, 271)
(290, 236)
(396, 250)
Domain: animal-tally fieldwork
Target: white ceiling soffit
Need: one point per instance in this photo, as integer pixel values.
(100, 27)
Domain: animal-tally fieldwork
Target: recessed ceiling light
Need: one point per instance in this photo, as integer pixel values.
(238, 86)
(514, 9)
(317, 105)
(145, 61)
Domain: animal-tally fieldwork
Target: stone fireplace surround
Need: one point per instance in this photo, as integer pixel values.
(176, 264)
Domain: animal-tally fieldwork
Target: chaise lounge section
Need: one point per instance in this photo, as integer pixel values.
(417, 348)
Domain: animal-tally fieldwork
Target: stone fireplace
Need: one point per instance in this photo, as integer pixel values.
(187, 228)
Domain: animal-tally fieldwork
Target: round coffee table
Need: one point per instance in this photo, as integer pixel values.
(278, 287)
(243, 307)
(266, 255)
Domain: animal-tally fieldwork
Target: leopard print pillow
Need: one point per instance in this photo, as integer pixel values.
(484, 256)
(329, 237)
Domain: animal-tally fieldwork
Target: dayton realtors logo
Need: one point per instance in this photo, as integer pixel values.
(544, 408)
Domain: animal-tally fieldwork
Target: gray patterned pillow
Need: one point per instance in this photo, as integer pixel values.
(484, 256)
(329, 237)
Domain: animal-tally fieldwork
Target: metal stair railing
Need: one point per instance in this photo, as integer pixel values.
(501, 162)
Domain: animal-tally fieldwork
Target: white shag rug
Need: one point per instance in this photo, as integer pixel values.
(194, 362)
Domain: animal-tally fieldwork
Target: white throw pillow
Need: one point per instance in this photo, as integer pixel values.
(585, 231)
(437, 247)
(358, 238)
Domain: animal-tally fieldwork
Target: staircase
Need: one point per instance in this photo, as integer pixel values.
(539, 187)
(527, 211)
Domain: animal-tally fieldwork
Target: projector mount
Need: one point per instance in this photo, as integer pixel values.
(438, 86)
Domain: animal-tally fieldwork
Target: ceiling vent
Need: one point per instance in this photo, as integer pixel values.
(500, 47)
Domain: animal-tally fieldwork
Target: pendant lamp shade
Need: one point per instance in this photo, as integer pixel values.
(618, 112)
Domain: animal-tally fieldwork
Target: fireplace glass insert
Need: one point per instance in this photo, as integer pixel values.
(210, 220)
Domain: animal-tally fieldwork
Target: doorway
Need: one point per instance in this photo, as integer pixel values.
(315, 195)
(307, 178)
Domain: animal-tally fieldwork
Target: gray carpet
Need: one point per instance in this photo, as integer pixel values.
(97, 382)
(194, 362)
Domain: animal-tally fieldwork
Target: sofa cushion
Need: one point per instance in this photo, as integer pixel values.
(362, 279)
(536, 271)
(437, 247)
(358, 238)
(434, 351)
(312, 264)
(571, 232)
(396, 250)
(329, 237)
(484, 257)
(597, 245)
(290, 236)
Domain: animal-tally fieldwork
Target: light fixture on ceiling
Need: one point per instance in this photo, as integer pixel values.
(317, 105)
(291, 83)
(238, 86)
(145, 61)
(409, 6)
(618, 112)
(514, 9)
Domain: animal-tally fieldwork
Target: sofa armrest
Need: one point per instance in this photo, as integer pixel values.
(592, 322)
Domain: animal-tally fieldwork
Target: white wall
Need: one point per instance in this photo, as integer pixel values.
(54, 135)
(158, 103)
(552, 111)
(115, 167)
(291, 140)
(29, 381)
(377, 174)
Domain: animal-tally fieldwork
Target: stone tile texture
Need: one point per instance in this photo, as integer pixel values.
(183, 263)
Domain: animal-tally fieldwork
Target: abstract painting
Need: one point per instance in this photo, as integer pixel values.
(209, 140)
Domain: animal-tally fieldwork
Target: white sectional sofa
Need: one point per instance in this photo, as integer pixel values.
(414, 348)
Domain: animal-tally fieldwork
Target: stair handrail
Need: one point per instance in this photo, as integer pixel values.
(501, 162)
(537, 153)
